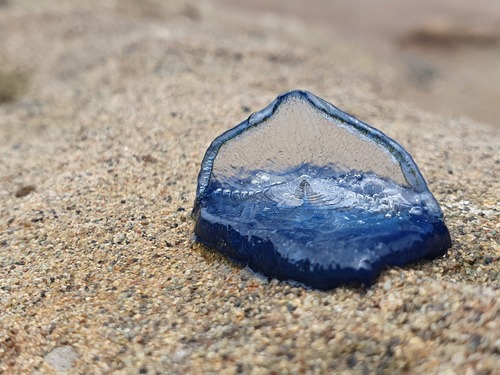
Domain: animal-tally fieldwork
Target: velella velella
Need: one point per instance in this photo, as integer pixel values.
(303, 191)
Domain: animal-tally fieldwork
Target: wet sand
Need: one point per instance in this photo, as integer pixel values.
(106, 113)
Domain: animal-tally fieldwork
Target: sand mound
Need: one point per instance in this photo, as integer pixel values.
(108, 112)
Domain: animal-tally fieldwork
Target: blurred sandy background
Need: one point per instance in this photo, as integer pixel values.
(106, 110)
(439, 55)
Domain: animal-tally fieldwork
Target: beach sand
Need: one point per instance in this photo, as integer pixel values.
(107, 110)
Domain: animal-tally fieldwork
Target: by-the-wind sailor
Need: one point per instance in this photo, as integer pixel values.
(305, 192)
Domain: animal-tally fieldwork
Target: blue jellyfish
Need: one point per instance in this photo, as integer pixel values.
(303, 191)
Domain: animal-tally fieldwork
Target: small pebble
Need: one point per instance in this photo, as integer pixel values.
(387, 285)
(24, 191)
(61, 358)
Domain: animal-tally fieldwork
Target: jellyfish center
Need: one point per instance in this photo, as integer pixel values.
(320, 191)
(307, 190)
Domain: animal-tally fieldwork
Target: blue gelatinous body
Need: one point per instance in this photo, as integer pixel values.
(303, 191)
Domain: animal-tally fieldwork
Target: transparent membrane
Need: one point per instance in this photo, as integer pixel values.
(304, 191)
(299, 133)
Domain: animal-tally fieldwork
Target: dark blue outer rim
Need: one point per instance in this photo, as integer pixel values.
(409, 168)
(266, 259)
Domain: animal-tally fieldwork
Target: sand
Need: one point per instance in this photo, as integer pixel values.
(107, 110)
(443, 55)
